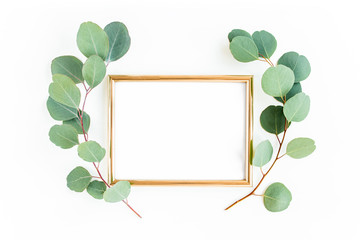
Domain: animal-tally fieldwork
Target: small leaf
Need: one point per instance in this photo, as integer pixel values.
(69, 66)
(75, 122)
(265, 42)
(298, 63)
(272, 119)
(244, 49)
(277, 197)
(297, 108)
(64, 136)
(91, 151)
(94, 71)
(277, 81)
(300, 147)
(296, 88)
(60, 111)
(119, 40)
(92, 40)
(78, 179)
(118, 192)
(263, 154)
(238, 32)
(96, 189)
(65, 91)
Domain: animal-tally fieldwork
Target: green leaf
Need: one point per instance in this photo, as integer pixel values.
(75, 122)
(238, 32)
(65, 91)
(298, 63)
(64, 136)
(297, 108)
(92, 40)
(244, 49)
(277, 197)
(78, 179)
(94, 70)
(118, 192)
(119, 40)
(60, 111)
(300, 147)
(277, 81)
(91, 151)
(263, 154)
(265, 42)
(296, 88)
(96, 189)
(69, 66)
(272, 119)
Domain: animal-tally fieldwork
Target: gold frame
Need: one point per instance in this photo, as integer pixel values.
(247, 182)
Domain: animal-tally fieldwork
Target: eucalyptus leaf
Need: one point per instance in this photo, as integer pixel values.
(297, 108)
(76, 123)
(64, 136)
(244, 49)
(94, 70)
(119, 40)
(60, 111)
(272, 119)
(64, 91)
(92, 40)
(300, 147)
(277, 81)
(238, 32)
(118, 192)
(96, 189)
(265, 42)
(91, 151)
(296, 88)
(78, 179)
(298, 63)
(263, 154)
(277, 197)
(69, 66)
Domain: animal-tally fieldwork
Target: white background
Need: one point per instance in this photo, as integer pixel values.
(180, 37)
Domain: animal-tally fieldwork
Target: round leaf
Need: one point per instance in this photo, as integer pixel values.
(265, 42)
(119, 40)
(96, 189)
(300, 147)
(91, 151)
(64, 90)
(118, 192)
(272, 119)
(297, 108)
(94, 71)
(60, 111)
(64, 136)
(69, 66)
(92, 40)
(75, 122)
(78, 179)
(277, 197)
(238, 32)
(244, 49)
(277, 81)
(263, 154)
(298, 63)
(296, 88)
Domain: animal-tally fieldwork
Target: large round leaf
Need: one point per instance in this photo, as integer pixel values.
(96, 189)
(277, 81)
(238, 32)
(91, 151)
(297, 108)
(263, 154)
(300, 147)
(277, 197)
(272, 119)
(298, 63)
(64, 136)
(92, 40)
(118, 192)
(65, 91)
(296, 88)
(119, 40)
(76, 123)
(78, 179)
(94, 71)
(265, 42)
(244, 49)
(60, 111)
(69, 66)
